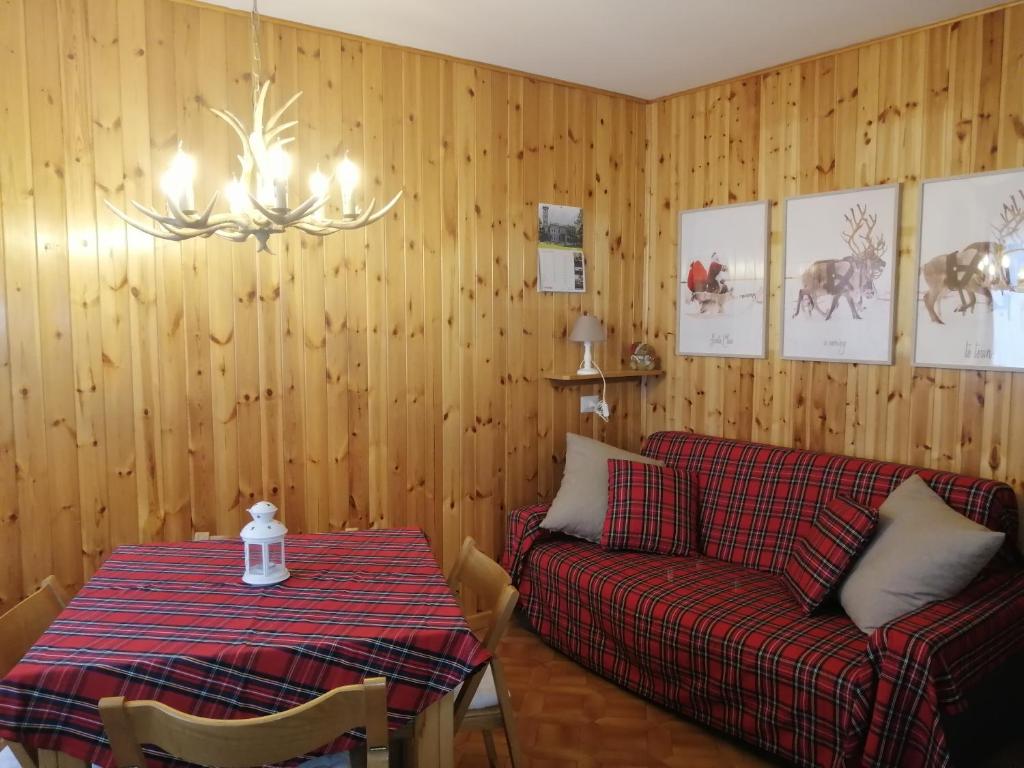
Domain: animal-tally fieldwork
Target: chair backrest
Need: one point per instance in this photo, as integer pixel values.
(492, 585)
(253, 741)
(22, 625)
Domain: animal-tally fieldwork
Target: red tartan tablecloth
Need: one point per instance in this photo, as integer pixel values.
(174, 622)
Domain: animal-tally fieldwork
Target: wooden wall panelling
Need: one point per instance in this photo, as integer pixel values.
(221, 341)
(245, 301)
(94, 466)
(48, 164)
(936, 102)
(173, 514)
(464, 115)
(354, 327)
(55, 391)
(452, 156)
(418, 434)
(376, 331)
(142, 319)
(24, 552)
(388, 376)
(99, 31)
(517, 376)
(395, 333)
(430, 275)
(479, 279)
(1005, 454)
(545, 193)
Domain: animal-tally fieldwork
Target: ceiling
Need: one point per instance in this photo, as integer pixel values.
(644, 48)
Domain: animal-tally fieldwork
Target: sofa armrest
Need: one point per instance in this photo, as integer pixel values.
(522, 529)
(961, 640)
(929, 661)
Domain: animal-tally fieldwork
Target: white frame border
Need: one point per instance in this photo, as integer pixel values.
(767, 206)
(917, 276)
(894, 265)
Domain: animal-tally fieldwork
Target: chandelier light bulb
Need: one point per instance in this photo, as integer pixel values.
(1006, 261)
(237, 196)
(348, 180)
(319, 184)
(177, 181)
(279, 163)
(279, 166)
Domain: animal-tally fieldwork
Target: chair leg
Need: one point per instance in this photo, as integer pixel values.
(508, 716)
(492, 753)
(21, 755)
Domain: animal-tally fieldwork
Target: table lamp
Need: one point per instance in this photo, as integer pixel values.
(587, 330)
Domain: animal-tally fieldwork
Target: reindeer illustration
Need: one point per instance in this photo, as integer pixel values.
(851, 277)
(978, 268)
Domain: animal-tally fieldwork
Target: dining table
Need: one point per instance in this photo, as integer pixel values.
(175, 623)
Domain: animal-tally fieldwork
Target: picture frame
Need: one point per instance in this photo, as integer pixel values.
(969, 273)
(722, 308)
(839, 275)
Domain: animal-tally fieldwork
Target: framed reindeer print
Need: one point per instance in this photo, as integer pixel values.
(723, 253)
(839, 275)
(970, 273)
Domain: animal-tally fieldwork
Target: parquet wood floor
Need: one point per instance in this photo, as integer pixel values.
(571, 718)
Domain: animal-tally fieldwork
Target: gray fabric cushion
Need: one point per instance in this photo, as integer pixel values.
(922, 551)
(581, 504)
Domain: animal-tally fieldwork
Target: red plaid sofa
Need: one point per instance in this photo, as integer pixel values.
(718, 638)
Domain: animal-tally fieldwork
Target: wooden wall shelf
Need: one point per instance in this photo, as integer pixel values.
(567, 379)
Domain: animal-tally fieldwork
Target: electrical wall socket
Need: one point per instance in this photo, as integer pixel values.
(589, 403)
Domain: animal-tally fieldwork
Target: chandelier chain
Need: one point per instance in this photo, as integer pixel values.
(257, 64)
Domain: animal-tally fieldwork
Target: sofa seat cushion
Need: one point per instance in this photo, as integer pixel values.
(723, 644)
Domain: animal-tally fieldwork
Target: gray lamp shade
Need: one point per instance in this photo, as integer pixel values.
(587, 328)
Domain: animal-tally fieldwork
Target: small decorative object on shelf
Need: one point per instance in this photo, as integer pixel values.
(642, 357)
(263, 539)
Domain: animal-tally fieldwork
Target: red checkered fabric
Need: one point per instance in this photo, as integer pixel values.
(825, 552)
(650, 509)
(930, 661)
(754, 499)
(175, 623)
(726, 645)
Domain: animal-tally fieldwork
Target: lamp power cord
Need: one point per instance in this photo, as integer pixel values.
(603, 411)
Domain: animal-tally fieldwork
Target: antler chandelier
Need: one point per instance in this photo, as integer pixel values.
(258, 196)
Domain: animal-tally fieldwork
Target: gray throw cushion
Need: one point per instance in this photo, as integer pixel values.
(922, 551)
(581, 504)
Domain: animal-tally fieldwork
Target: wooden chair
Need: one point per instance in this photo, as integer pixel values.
(20, 627)
(482, 703)
(252, 741)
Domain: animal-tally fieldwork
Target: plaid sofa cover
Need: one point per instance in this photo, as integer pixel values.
(718, 637)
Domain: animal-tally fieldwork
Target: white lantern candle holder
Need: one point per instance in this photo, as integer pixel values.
(263, 540)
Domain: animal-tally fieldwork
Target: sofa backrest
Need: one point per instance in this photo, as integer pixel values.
(756, 498)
